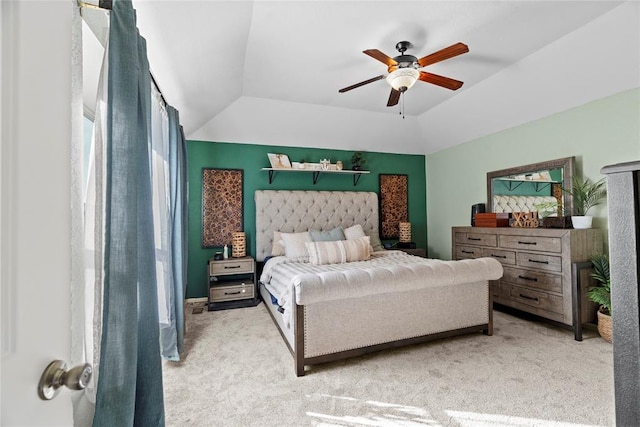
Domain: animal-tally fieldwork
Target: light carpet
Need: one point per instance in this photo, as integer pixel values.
(237, 371)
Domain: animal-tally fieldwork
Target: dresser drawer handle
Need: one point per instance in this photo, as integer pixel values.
(234, 293)
(477, 239)
(533, 279)
(468, 252)
(499, 256)
(529, 298)
(227, 267)
(539, 262)
(527, 243)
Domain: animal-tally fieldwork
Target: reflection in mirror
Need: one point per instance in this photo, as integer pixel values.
(534, 187)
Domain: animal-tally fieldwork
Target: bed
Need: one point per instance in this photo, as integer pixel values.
(327, 311)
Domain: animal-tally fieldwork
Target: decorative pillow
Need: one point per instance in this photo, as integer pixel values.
(278, 248)
(339, 251)
(294, 244)
(354, 232)
(327, 236)
(376, 244)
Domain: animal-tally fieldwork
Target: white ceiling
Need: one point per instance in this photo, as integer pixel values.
(227, 66)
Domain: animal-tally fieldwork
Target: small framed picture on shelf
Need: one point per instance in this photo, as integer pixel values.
(279, 161)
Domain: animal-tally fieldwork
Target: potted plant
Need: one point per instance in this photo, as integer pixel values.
(357, 161)
(586, 194)
(601, 294)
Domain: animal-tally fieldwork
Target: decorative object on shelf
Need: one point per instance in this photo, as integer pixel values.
(525, 219)
(279, 161)
(339, 165)
(324, 164)
(586, 194)
(225, 252)
(601, 294)
(239, 244)
(222, 203)
(357, 161)
(394, 205)
(404, 231)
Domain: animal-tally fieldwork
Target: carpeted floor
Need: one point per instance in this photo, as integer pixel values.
(237, 371)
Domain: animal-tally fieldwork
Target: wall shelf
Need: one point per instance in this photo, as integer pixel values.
(540, 184)
(316, 173)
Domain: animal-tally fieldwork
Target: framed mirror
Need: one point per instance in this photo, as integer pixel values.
(537, 179)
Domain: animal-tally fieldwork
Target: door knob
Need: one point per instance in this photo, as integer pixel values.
(56, 376)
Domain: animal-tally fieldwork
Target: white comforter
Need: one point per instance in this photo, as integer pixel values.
(387, 271)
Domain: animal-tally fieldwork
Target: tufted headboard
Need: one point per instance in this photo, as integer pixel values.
(295, 211)
(520, 203)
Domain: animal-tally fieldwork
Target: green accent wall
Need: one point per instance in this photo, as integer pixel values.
(251, 158)
(599, 133)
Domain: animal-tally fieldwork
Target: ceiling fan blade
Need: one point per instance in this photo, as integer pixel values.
(394, 97)
(441, 55)
(376, 54)
(440, 80)
(366, 82)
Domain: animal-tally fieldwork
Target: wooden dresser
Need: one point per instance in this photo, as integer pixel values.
(542, 267)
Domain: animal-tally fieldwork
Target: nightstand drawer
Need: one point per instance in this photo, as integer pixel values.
(231, 266)
(231, 291)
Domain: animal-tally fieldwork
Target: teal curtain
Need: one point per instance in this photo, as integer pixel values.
(129, 390)
(172, 333)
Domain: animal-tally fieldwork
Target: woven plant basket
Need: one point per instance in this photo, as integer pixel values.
(605, 328)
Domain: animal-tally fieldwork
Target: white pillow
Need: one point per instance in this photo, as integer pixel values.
(278, 248)
(338, 251)
(354, 232)
(294, 244)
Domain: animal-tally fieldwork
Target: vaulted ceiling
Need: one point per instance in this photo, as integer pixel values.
(246, 71)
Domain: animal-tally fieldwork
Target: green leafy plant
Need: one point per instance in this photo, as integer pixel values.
(546, 209)
(601, 294)
(357, 160)
(586, 194)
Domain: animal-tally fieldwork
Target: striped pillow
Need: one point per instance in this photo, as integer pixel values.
(339, 251)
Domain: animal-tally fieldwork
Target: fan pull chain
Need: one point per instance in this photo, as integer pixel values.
(402, 105)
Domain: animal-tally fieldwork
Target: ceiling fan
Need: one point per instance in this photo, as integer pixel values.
(404, 69)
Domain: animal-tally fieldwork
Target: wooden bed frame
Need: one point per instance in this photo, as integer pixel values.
(319, 335)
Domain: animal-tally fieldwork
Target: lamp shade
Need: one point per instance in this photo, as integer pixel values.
(238, 244)
(404, 231)
(403, 78)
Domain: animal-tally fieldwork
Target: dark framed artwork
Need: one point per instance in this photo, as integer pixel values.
(394, 204)
(222, 205)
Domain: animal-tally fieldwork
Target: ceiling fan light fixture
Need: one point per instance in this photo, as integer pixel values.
(403, 78)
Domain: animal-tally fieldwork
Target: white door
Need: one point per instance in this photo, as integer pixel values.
(35, 213)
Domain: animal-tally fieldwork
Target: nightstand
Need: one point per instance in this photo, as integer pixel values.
(232, 283)
(421, 252)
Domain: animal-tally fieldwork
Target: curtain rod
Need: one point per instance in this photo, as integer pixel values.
(107, 5)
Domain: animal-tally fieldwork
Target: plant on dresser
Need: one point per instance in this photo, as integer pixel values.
(538, 268)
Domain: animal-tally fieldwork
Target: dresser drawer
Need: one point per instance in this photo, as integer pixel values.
(231, 266)
(533, 279)
(231, 291)
(477, 239)
(505, 257)
(468, 252)
(539, 261)
(532, 243)
(541, 300)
